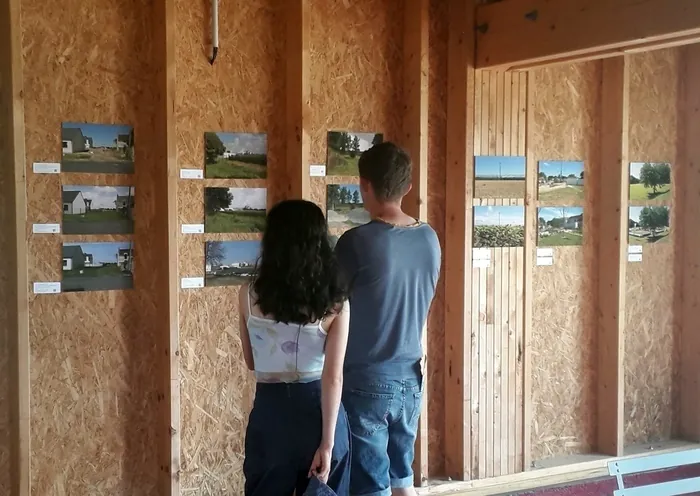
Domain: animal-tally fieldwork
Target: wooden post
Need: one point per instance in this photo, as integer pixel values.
(14, 284)
(415, 141)
(612, 254)
(166, 205)
(297, 99)
(458, 240)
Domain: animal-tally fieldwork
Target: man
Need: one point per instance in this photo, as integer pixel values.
(392, 265)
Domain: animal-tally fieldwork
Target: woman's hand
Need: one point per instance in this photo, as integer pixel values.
(321, 466)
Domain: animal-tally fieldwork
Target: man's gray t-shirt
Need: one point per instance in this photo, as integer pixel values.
(392, 272)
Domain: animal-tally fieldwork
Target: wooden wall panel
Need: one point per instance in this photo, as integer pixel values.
(94, 380)
(567, 103)
(650, 330)
(497, 293)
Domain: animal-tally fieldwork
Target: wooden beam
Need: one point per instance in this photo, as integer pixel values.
(15, 276)
(612, 254)
(458, 240)
(690, 339)
(297, 101)
(166, 206)
(576, 30)
(415, 140)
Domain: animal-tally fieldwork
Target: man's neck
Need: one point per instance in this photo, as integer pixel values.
(391, 213)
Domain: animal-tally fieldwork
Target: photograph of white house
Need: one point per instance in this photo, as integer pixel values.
(97, 148)
(98, 209)
(559, 226)
(97, 266)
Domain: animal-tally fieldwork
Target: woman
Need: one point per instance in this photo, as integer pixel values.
(294, 322)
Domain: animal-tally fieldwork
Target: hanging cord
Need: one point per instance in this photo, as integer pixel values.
(214, 30)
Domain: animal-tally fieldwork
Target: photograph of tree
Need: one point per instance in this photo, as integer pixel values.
(98, 209)
(97, 148)
(97, 266)
(560, 181)
(235, 155)
(229, 263)
(650, 181)
(344, 150)
(559, 226)
(499, 177)
(649, 224)
(234, 210)
(499, 226)
(344, 207)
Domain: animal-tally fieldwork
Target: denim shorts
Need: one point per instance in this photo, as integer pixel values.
(383, 416)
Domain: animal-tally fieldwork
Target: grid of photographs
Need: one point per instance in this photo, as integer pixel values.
(560, 192)
(650, 196)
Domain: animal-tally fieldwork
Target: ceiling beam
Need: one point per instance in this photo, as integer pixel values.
(522, 34)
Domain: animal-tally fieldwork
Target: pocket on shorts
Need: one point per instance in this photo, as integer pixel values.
(416, 403)
(367, 410)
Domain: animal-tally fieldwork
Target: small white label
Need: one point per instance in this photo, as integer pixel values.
(46, 168)
(481, 254)
(634, 257)
(191, 174)
(47, 287)
(46, 228)
(545, 260)
(634, 249)
(545, 252)
(318, 170)
(191, 282)
(481, 263)
(192, 228)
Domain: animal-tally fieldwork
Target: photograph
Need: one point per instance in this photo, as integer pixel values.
(559, 226)
(560, 181)
(344, 206)
(499, 226)
(97, 148)
(235, 155)
(650, 181)
(97, 266)
(344, 150)
(234, 210)
(229, 263)
(499, 177)
(98, 209)
(649, 225)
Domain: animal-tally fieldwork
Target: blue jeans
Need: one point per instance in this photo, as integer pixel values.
(383, 416)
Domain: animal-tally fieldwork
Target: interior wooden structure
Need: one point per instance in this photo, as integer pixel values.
(536, 373)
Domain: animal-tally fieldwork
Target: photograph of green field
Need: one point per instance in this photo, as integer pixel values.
(559, 226)
(649, 224)
(234, 210)
(344, 207)
(344, 150)
(235, 155)
(560, 181)
(97, 148)
(230, 263)
(499, 177)
(496, 227)
(650, 181)
(98, 209)
(97, 266)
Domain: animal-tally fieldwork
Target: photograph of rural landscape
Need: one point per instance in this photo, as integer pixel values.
(499, 177)
(344, 149)
(235, 155)
(234, 210)
(649, 224)
(559, 226)
(97, 266)
(344, 207)
(230, 263)
(650, 181)
(496, 226)
(97, 148)
(560, 182)
(98, 209)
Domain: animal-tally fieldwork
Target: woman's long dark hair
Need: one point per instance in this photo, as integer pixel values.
(298, 279)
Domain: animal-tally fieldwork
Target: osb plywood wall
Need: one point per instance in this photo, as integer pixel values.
(94, 409)
(650, 333)
(565, 127)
